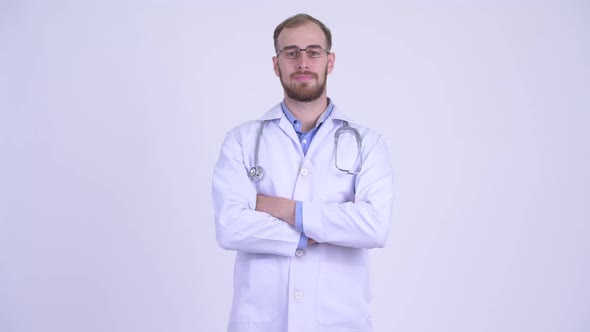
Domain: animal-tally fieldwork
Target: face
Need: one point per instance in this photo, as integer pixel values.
(304, 78)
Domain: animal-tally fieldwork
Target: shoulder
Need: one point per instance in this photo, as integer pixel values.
(368, 135)
(252, 126)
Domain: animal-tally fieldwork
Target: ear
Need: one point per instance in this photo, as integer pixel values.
(331, 60)
(275, 64)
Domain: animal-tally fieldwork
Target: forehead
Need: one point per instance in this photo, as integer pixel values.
(302, 36)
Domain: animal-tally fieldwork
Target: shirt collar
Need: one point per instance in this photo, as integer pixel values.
(297, 124)
(276, 113)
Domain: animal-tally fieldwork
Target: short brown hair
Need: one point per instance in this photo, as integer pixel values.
(297, 21)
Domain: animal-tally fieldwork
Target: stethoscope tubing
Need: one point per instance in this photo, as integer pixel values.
(256, 172)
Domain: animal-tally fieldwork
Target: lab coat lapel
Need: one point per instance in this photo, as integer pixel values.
(325, 128)
(288, 129)
(276, 113)
(335, 119)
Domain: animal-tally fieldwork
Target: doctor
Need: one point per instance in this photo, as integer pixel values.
(301, 227)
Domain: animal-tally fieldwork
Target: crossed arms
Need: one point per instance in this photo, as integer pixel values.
(280, 208)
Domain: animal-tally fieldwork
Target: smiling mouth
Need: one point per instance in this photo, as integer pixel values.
(303, 77)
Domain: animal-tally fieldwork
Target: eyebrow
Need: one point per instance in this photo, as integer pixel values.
(297, 47)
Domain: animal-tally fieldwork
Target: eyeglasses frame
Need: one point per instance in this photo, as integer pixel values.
(299, 50)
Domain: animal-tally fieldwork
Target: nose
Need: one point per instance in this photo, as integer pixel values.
(302, 61)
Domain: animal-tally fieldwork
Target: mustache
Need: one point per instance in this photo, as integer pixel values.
(306, 72)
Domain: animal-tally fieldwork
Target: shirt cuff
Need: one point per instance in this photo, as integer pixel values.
(299, 216)
(302, 242)
(299, 225)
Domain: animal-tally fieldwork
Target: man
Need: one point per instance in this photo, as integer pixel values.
(301, 194)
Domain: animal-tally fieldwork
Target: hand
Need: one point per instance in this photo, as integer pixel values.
(278, 207)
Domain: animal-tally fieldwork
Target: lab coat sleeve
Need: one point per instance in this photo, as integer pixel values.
(364, 222)
(238, 225)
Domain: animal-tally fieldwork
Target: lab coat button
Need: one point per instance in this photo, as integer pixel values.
(298, 295)
(304, 171)
(299, 252)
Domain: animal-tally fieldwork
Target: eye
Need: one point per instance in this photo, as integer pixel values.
(313, 53)
(291, 53)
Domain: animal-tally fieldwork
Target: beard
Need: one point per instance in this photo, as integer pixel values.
(304, 92)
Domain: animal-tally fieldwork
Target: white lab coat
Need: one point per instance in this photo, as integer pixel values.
(326, 287)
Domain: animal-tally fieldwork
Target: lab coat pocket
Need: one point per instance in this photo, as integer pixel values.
(343, 297)
(256, 289)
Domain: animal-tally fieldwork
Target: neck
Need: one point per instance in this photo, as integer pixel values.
(307, 112)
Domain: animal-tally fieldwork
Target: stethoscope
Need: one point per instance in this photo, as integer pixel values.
(256, 172)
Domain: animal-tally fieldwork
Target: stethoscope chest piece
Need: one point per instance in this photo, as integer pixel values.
(255, 173)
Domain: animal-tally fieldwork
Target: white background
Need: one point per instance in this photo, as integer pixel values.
(112, 114)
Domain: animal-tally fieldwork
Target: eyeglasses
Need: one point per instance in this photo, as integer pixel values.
(293, 52)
